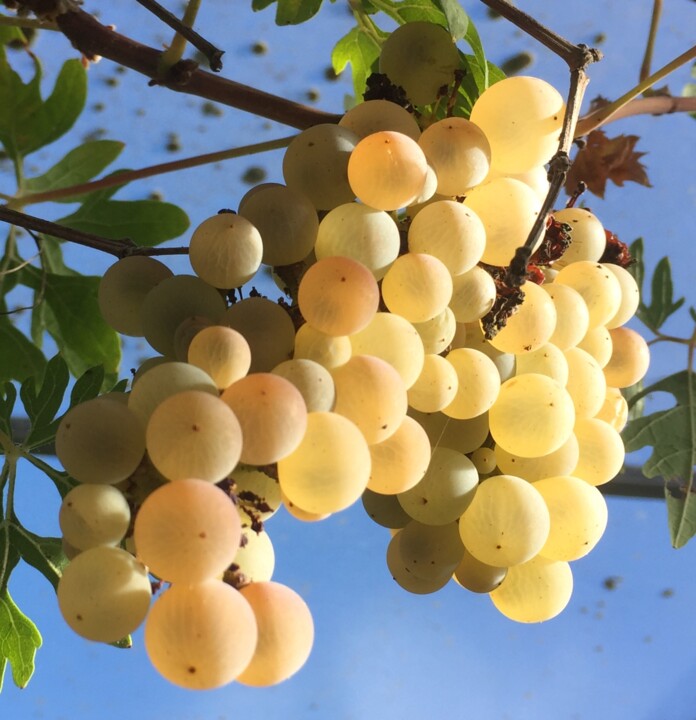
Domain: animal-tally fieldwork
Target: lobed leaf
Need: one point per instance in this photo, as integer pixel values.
(19, 641)
(290, 12)
(662, 303)
(19, 357)
(361, 50)
(45, 554)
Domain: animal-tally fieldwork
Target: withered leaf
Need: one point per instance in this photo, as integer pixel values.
(604, 159)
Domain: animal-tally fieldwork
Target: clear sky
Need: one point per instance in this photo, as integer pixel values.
(622, 653)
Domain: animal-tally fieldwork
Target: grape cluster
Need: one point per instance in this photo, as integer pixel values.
(374, 378)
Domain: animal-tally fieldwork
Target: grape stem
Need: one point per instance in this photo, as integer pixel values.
(650, 45)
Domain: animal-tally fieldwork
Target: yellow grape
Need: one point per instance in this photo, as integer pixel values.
(438, 332)
(201, 636)
(534, 592)
(601, 451)
(629, 359)
(458, 152)
(268, 329)
(104, 594)
(484, 460)
(100, 441)
(572, 315)
(285, 633)
(123, 288)
(272, 414)
(257, 493)
(532, 416)
(223, 353)
(587, 238)
(473, 295)
(338, 296)
(537, 178)
(194, 434)
(476, 576)
(329, 351)
(478, 383)
(471, 335)
(255, 558)
(187, 531)
(371, 116)
(598, 344)
(614, 410)
(598, 286)
(330, 468)
(385, 510)
(387, 170)
(630, 296)
(303, 515)
(187, 329)
(226, 250)
(436, 386)
(586, 384)
(506, 523)
(522, 118)
(545, 360)
(312, 380)
(559, 462)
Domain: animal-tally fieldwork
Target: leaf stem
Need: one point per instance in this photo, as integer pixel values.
(175, 51)
(650, 45)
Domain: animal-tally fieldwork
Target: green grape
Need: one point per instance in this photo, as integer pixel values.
(430, 551)
(458, 152)
(100, 441)
(629, 359)
(436, 386)
(598, 286)
(104, 594)
(385, 510)
(421, 58)
(402, 574)
(462, 435)
(473, 295)
(478, 384)
(476, 576)
(316, 164)
(586, 384)
(312, 380)
(187, 531)
(438, 332)
(123, 288)
(201, 636)
(587, 239)
(451, 232)
(286, 634)
(329, 351)
(286, 220)
(268, 329)
(484, 460)
(371, 116)
(522, 118)
(187, 329)
(222, 353)
(445, 491)
(92, 515)
(272, 414)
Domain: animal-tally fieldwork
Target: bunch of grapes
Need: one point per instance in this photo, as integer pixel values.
(473, 419)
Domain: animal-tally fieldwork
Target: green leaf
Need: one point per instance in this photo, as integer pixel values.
(489, 73)
(637, 267)
(45, 554)
(63, 482)
(87, 386)
(19, 357)
(8, 396)
(9, 557)
(78, 166)
(11, 34)
(457, 19)
(662, 303)
(290, 12)
(19, 641)
(361, 50)
(145, 222)
(476, 79)
(672, 435)
(414, 11)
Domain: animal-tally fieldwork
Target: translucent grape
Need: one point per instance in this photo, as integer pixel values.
(558, 462)
(629, 359)
(329, 351)
(614, 410)
(484, 460)
(223, 353)
(257, 493)
(437, 333)
(478, 383)
(255, 558)
(601, 451)
(598, 286)
(586, 384)
(587, 239)
(572, 315)
(187, 329)
(428, 551)
(598, 344)
(473, 295)
(372, 116)
(475, 338)
(630, 296)
(385, 510)
(545, 360)
(476, 576)
(312, 380)
(462, 435)
(400, 570)
(436, 386)
(303, 515)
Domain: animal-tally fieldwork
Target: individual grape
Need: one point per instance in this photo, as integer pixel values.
(436, 386)
(598, 344)
(449, 231)
(312, 380)
(162, 381)
(601, 451)
(531, 326)
(427, 194)
(587, 239)
(537, 178)
(316, 164)
(438, 332)
(578, 517)
(535, 591)
(268, 329)
(401, 461)
(303, 515)
(484, 460)
(272, 414)
(393, 339)
(123, 288)
(507, 522)
(201, 636)
(462, 435)
(92, 515)
(330, 468)
(598, 286)
(401, 572)
(329, 351)
(257, 493)
(532, 416)
(371, 394)
(417, 286)
(559, 462)
(545, 360)
(478, 383)
(630, 296)
(338, 296)
(446, 490)
(104, 594)
(221, 352)
(421, 58)
(430, 551)
(286, 634)
(194, 434)
(387, 170)
(173, 300)
(372, 116)
(522, 118)
(100, 441)
(508, 209)
(225, 250)
(286, 220)
(187, 531)
(385, 510)
(572, 315)
(458, 152)
(187, 329)
(473, 295)
(614, 410)
(362, 233)
(629, 359)
(476, 576)
(586, 384)
(475, 338)
(255, 558)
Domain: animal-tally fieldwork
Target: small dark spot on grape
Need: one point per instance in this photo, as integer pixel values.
(192, 670)
(195, 428)
(78, 617)
(498, 547)
(203, 535)
(343, 279)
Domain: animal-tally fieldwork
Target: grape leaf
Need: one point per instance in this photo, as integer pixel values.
(63, 482)
(361, 50)
(604, 159)
(19, 357)
(662, 303)
(672, 435)
(290, 12)
(457, 19)
(19, 641)
(8, 396)
(45, 554)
